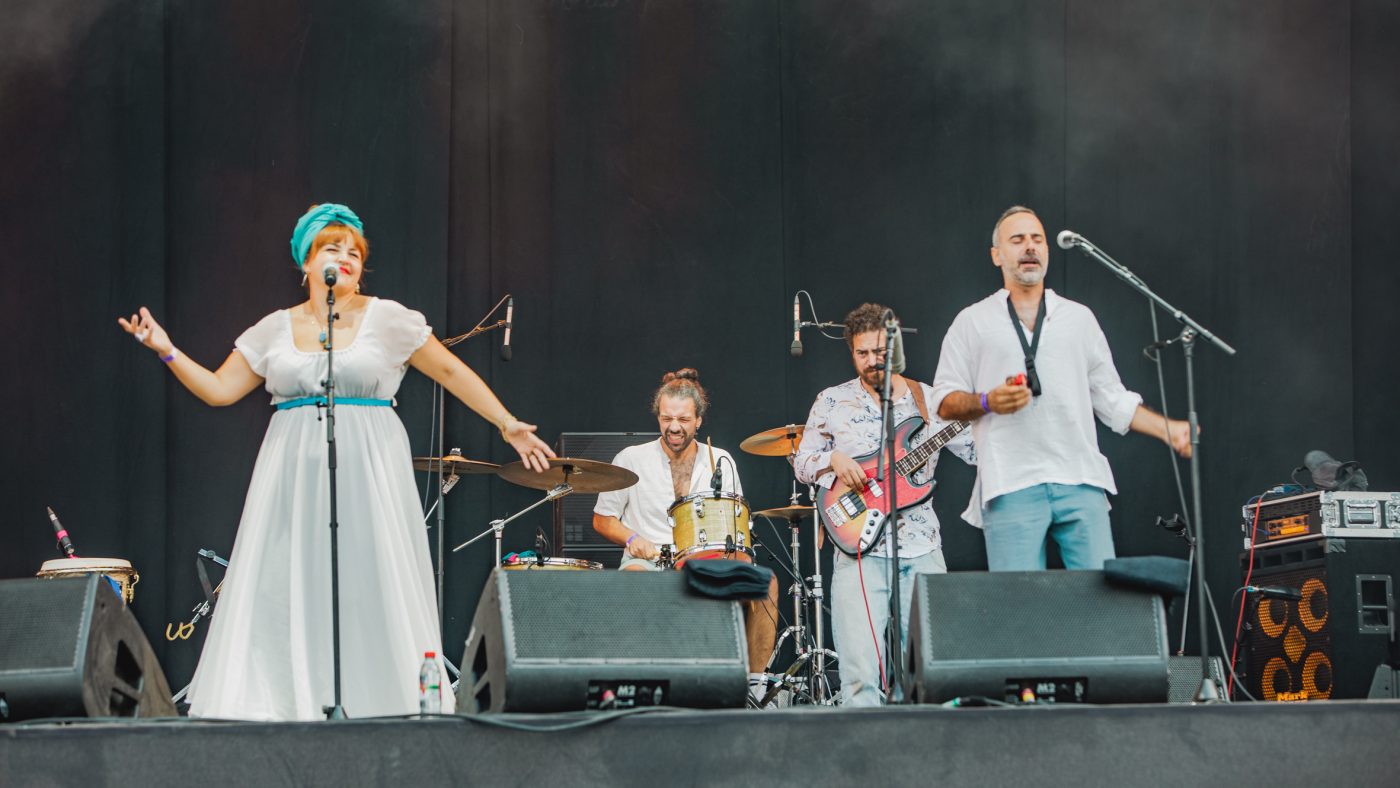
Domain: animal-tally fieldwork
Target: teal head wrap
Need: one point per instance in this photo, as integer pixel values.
(314, 221)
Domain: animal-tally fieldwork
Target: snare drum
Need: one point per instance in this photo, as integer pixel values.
(116, 570)
(517, 562)
(711, 525)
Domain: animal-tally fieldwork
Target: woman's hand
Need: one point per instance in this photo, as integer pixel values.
(533, 451)
(147, 331)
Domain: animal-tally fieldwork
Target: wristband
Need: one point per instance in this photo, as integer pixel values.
(985, 407)
(173, 353)
(628, 543)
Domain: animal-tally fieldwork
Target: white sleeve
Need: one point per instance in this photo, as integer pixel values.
(255, 343)
(955, 362)
(400, 330)
(1113, 403)
(817, 444)
(614, 502)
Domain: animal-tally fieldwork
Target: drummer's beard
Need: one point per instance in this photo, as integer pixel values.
(678, 437)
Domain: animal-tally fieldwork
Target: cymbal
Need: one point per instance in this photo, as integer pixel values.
(777, 442)
(454, 463)
(793, 513)
(585, 476)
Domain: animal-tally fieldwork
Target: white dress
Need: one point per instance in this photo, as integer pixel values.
(268, 654)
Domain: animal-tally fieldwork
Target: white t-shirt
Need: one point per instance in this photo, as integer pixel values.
(642, 507)
(1053, 439)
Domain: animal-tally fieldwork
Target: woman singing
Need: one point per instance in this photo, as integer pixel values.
(268, 654)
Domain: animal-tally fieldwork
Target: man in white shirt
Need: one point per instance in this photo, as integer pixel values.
(844, 423)
(1031, 369)
(667, 470)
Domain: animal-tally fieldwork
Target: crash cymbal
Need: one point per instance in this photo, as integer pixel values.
(453, 463)
(788, 512)
(777, 442)
(585, 476)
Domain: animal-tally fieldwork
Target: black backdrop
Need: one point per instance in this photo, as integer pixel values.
(653, 181)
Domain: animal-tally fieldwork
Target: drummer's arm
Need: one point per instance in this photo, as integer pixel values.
(438, 363)
(614, 531)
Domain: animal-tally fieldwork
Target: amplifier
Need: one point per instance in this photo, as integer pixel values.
(1353, 515)
(1329, 643)
(574, 536)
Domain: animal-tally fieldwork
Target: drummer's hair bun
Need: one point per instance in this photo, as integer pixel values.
(685, 373)
(684, 382)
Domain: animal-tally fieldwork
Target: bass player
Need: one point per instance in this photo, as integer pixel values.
(844, 424)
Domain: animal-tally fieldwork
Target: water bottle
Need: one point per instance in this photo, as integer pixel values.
(430, 685)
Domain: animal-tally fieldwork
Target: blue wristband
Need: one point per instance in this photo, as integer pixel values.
(985, 407)
(628, 543)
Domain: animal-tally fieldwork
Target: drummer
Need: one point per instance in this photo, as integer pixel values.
(668, 469)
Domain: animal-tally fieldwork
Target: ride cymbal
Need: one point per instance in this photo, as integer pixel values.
(585, 476)
(777, 442)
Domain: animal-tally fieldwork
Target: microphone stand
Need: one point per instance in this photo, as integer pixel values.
(1208, 692)
(336, 711)
(886, 476)
(440, 397)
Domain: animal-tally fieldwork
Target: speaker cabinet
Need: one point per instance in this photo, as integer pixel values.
(1329, 643)
(70, 648)
(546, 641)
(1056, 636)
(574, 536)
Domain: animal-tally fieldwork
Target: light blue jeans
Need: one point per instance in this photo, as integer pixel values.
(1016, 525)
(859, 666)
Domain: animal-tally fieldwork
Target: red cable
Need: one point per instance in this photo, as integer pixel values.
(1244, 598)
(870, 620)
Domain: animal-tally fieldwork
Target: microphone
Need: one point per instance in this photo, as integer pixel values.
(717, 479)
(1276, 592)
(1068, 239)
(330, 274)
(796, 349)
(1329, 474)
(64, 543)
(896, 365)
(510, 320)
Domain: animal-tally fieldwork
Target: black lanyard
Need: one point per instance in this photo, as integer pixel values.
(1032, 379)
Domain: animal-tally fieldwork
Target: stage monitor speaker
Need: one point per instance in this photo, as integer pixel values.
(1329, 644)
(70, 648)
(546, 641)
(574, 536)
(1056, 636)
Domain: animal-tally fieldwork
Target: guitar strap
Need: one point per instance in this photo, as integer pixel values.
(917, 390)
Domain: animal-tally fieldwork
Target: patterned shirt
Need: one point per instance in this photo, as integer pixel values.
(846, 418)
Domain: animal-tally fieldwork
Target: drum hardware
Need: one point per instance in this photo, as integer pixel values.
(563, 476)
(455, 466)
(202, 609)
(498, 527)
(803, 591)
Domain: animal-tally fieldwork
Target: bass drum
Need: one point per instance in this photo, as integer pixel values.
(711, 525)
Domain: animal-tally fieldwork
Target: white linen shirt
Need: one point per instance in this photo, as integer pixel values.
(846, 418)
(1053, 439)
(642, 507)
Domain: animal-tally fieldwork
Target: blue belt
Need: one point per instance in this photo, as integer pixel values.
(300, 401)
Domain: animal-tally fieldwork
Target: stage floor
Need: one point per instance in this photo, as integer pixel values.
(1351, 743)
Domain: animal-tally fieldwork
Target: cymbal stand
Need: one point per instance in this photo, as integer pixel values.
(812, 652)
(498, 526)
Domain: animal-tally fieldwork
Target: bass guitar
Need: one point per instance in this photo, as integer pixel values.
(855, 518)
